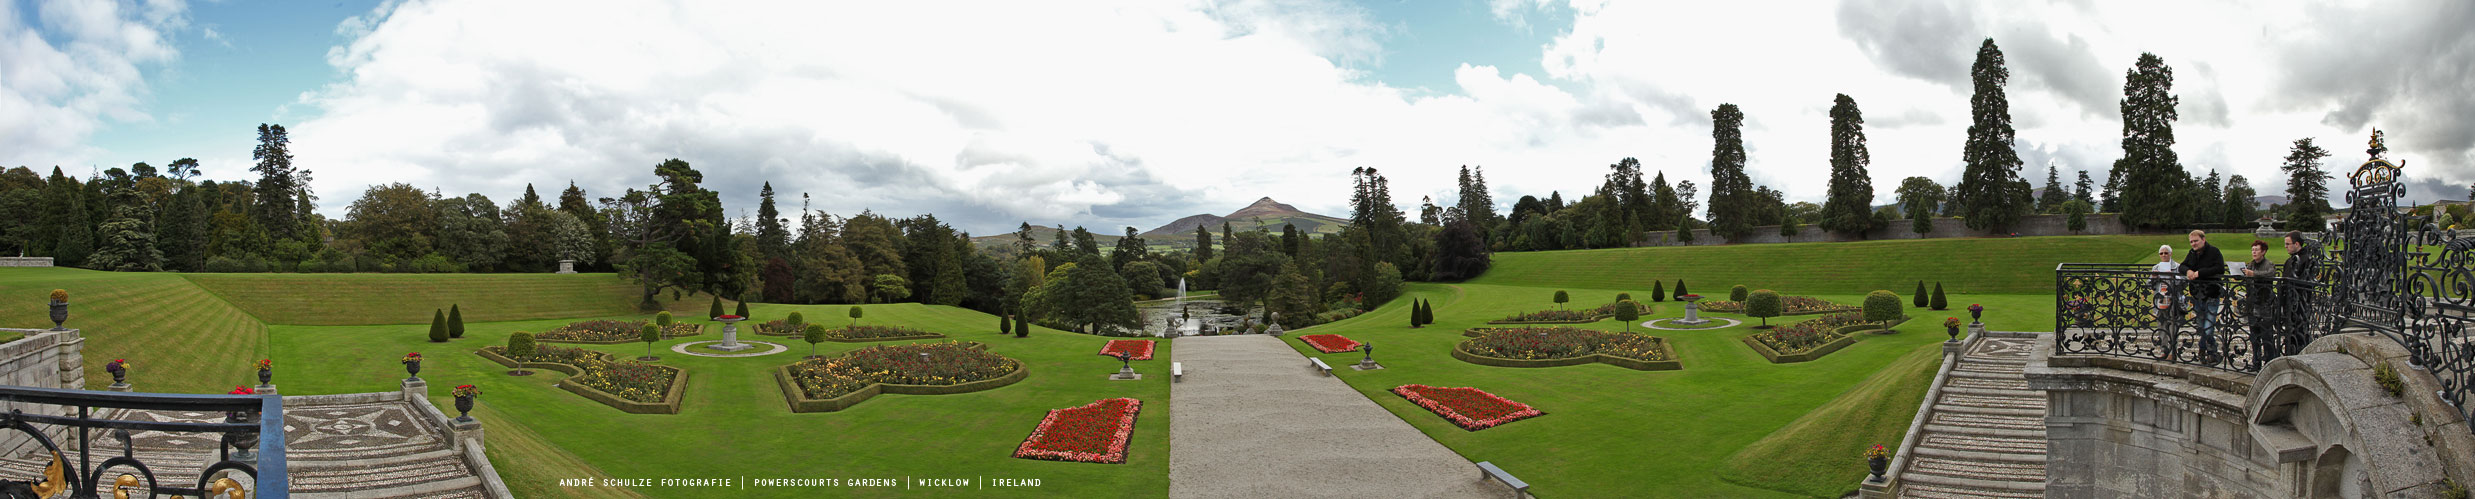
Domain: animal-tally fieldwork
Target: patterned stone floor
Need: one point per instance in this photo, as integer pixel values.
(1987, 435)
(373, 450)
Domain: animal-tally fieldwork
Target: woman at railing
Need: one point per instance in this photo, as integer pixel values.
(2167, 308)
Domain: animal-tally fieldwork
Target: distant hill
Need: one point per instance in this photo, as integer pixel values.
(1266, 213)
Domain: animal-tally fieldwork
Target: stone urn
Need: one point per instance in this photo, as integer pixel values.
(1976, 314)
(1879, 465)
(60, 315)
(1954, 332)
(464, 408)
(244, 441)
(412, 369)
(266, 377)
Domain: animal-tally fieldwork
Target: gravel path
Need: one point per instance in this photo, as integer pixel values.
(1252, 420)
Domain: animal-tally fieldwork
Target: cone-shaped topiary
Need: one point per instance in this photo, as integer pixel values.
(1737, 294)
(1658, 291)
(1005, 324)
(743, 311)
(455, 321)
(438, 326)
(1022, 328)
(717, 306)
(1920, 294)
(1938, 302)
(1763, 304)
(1881, 305)
(1413, 315)
(1680, 289)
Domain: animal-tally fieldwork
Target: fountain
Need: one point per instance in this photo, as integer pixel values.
(1176, 317)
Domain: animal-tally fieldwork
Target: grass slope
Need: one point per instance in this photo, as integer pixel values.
(177, 337)
(1616, 432)
(735, 422)
(359, 299)
(1992, 265)
(1822, 453)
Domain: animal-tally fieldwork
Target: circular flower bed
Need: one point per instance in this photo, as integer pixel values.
(1539, 343)
(949, 363)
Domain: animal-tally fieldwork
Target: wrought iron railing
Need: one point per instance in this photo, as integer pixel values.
(2129, 310)
(256, 421)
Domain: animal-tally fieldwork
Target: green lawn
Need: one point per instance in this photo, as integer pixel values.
(1992, 266)
(360, 299)
(177, 337)
(1611, 431)
(736, 424)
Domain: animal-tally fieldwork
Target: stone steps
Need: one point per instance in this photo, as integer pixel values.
(1981, 443)
(2035, 457)
(1958, 383)
(1986, 435)
(337, 450)
(1939, 491)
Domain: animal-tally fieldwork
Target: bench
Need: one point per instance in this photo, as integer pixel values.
(1319, 365)
(1177, 372)
(1488, 470)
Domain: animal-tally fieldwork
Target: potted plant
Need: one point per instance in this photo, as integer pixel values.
(464, 395)
(266, 371)
(412, 366)
(1952, 324)
(120, 371)
(60, 309)
(1976, 313)
(242, 441)
(1879, 459)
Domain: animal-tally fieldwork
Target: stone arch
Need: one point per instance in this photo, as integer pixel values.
(2320, 416)
(2336, 475)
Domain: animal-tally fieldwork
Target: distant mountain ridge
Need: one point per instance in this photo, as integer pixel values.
(1266, 213)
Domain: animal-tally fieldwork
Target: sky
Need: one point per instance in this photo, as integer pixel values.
(1138, 112)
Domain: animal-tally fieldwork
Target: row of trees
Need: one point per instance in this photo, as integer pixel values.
(144, 218)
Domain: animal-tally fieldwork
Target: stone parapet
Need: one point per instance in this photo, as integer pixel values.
(25, 261)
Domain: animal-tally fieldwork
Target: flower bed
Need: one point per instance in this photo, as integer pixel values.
(1093, 433)
(1788, 305)
(1577, 316)
(1329, 343)
(833, 384)
(1564, 346)
(857, 334)
(629, 386)
(1811, 339)
(1134, 349)
(1470, 408)
(605, 332)
(779, 327)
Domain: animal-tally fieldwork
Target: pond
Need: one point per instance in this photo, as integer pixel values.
(1206, 315)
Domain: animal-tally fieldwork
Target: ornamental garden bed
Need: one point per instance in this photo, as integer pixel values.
(866, 334)
(1470, 408)
(629, 386)
(837, 383)
(1134, 349)
(1575, 316)
(1092, 433)
(1788, 305)
(1812, 339)
(612, 332)
(1565, 346)
(1329, 343)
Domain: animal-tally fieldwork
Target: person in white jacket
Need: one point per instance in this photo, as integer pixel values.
(2165, 286)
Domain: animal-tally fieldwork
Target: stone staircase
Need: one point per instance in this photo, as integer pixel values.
(1986, 437)
(335, 448)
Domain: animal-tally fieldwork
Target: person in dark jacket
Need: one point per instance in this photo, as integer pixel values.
(2203, 266)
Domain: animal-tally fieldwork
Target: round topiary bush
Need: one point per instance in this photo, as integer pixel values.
(1737, 293)
(1881, 306)
(1627, 312)
(1561, 297)
(1624, 297)
(855, 315)
(521, 346)
(814, 334)
(1763, 304)
(662, 319)
(795, 320)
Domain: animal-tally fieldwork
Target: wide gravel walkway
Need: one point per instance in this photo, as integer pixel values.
(1252, 420)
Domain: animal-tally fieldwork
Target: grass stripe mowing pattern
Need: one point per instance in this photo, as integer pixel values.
(177, 337)
(356, 299)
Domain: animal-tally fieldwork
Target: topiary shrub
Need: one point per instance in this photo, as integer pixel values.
(1938, 302)
(1920, 294)
(717, 306)
(1022, 328)
(855, 315)
(1763, 304)
(1628, 312)
(649, 334)
(1658, 291)
(1881, 306)
(1005, 324)
(1624, 297)
(814, 334)
(662, 319)
(438, 326)
(521, 346)
(1680, 289)
(455, 321)
(1737, 293)
(743, 311)
(1561, 297)
(797, 320)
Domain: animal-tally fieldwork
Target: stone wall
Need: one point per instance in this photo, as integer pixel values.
(43, 359)
(2309, 425)
(2032, 225)
(25, 261)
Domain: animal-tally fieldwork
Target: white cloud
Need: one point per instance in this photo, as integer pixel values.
(78, 68)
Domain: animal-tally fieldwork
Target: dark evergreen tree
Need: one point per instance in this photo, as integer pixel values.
(2238, 205)
(1658, 291)
(1665, 208)
(438, 326)
(1733, 202)
(128, 244)
(2307, 187)
(2081, 190)
(2207, 201)
(1428, 213)
(773, 237)
(1460, 253)
(1129, 249)
(1849, 208)
(64, 206)
(2052, 199)
(1371, 209)
(2111, 200)
(573, 202)
(1990, 193)
(1477, 204)
(279, 183)
(1022, 328)
(1288, 239)
(2156, 192)
(1680, 288)
(1005, 323)
(1203, 245)
(181, 230)
(742, 310)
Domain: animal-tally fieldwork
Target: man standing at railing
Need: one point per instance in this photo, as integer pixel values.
(2203, 266)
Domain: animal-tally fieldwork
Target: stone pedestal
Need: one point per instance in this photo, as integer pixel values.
(567, 266)
(416, 388)
(1126, 374)
(730, 336)
(1367, 365)
(1976, 328)
(121, 387)
(268, 389)
(1692, 313)
(1274, 330)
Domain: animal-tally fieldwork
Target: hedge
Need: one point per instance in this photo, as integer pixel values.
(800, 402)
(670, 400)
(1847, 336)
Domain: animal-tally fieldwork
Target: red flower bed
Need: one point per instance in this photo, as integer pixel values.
(1471, 408)
(1137, 349)
(1094, 433)
(1329, 343)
